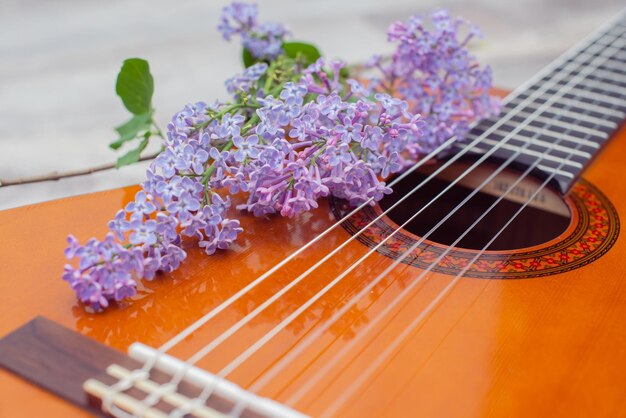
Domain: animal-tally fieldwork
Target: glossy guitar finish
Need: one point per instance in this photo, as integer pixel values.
(548, 346)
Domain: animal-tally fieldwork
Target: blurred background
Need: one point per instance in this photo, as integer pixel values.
(59, 61)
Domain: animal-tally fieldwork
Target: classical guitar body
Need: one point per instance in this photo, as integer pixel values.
(406, 318)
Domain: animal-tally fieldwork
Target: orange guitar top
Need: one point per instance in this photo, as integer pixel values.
(547, 346)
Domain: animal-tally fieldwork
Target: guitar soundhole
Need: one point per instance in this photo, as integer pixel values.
(545, 218)
(551, 235)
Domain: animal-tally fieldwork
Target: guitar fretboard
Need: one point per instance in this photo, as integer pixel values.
(564, 115)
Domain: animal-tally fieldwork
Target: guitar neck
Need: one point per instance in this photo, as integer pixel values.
(566, 114)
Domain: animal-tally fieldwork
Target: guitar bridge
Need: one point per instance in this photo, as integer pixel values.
(107, 382)
(181, 399)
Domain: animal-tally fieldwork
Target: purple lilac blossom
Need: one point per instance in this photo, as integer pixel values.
(433, 70)
(264, 41)
(316, 135)
(341, 143)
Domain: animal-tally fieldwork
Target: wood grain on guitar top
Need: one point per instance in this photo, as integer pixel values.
(553, 346)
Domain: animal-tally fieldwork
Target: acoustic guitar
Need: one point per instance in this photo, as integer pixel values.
(491, 282)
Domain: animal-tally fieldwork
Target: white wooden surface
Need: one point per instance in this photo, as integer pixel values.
(59, 59)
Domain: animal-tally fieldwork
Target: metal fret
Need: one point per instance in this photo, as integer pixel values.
(616, 60)
(530, 152)
(614, 66)
(547, 144)
(604, 90)
(572, 114)
(572, 127)
(610, 75)
(556, 171)
(576, 104)
(567, 136)
(601, 98)
(551, 134)
(603, 83)
(542, 167)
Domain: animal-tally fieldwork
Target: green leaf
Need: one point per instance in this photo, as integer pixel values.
(247, 58)
(132, 128)
(135, 86)
(133, 156)
(310, 52)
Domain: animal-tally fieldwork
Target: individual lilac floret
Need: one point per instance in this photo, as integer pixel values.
(264, 41)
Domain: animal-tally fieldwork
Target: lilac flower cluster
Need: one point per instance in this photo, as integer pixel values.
(433, 70)
(341, 143)
(263, 40)
(289, 138)
(146, 237)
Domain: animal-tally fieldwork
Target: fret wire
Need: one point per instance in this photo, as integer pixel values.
(552, 69)
(565, 125)
(604, 90)
(590, 78)
(587, 93)
(576, 105)
(605, 81)
(613, 65)
(527, 152)
(609, 75)
(582, 104)
(596, 109)
(548, 144)
(601, 98)
(556, 135)
(556, 171)
(617, 62)
(558, 131)
(524, 135)
(534, 147)
(542, 167)
(584, 116)
(600, 50)
(580, 109)
(611, 81)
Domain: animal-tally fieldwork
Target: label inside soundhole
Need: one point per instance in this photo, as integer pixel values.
(550, 235)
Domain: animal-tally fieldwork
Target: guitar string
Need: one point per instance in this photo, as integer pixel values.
(143, 372)
(569, 54)
(279, 366)
(217, 341)
(221, 338)
(408, 331)
(166, 346)
(318, 332)
(207, 391)
(371, 368)
(255, 347)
